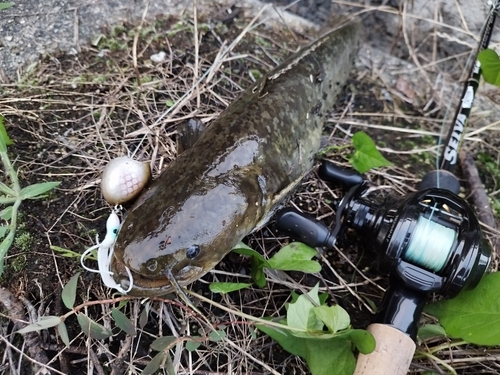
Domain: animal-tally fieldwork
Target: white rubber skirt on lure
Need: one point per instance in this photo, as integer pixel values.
(123, 179)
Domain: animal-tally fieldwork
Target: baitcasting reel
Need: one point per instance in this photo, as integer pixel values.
(428, 241)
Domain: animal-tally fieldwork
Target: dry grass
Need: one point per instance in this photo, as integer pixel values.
(71, 114)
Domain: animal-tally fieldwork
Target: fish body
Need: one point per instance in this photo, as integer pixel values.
(236, 174)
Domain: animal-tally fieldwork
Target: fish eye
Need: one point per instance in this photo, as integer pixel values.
(192, 251)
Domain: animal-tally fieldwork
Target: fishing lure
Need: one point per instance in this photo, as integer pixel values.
(105, 250)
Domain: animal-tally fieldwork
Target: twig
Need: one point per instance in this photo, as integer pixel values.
(478, 194)
(32, 339)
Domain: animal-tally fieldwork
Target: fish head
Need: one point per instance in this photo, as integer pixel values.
(176, 245)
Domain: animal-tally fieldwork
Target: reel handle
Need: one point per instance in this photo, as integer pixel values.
(304, 228)
(330, 172)
(392, 355)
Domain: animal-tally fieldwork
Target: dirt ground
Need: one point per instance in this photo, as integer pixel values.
(70, 114)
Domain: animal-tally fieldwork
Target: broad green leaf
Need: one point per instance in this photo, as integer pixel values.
(257, 273)
(323, 357)
(366, 155)
(62, 331)
(193, 345)
(93, 329)
(330, 357)
(473, 315)
(431, 330)
(363, 340)
(293, 345)
(3, 230)
(7, 190)
(301, 314)
(217, 335)
(6, 213)
(43, 323)
(36, 190)
(490, 66)
(252, 253)
(155, 364)
(123, 322)
(295, 257)
(257, 261)
(68, 294)
(5, 5)
(162, 343)
(219, 287)
(334, 317)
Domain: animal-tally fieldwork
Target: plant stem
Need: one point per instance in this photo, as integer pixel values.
(7, 241)
(246, 316)
(12, 173)
(439, 361)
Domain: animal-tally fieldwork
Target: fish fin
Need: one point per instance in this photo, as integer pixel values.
(188, 133)
(278, 201)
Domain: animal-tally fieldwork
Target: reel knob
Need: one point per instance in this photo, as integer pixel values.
(304, 228)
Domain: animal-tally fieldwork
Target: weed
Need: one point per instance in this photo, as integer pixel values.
(13, 196)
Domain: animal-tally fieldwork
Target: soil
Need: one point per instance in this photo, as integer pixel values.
(73, 113)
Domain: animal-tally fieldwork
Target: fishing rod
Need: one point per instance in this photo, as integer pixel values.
(443, 176)
(427, 242)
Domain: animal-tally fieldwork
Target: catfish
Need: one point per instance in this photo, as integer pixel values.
(238, 172)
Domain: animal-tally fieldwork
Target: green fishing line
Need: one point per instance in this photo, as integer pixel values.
(430, 245)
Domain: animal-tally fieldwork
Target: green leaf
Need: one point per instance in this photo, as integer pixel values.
(363, 340)
(301, 314)
(68, 294)
(334, 317)
(93, 329)
(324, 357)
(239, 249)
(295, 257)
(70, 253)
(431, 330)
(366, 155)
(473, 315)
(43, 323)
(123, 322)
(490, 66)
(155, 364)
(6, 213)
(257, 273)
(220, 287)
(7, 190)
(3, 230)
(36, 190)
(162, 343)
(4, 137)
(217, 335)
(62, 331)
(7, 200)
(5, 5)
(144, 317)
(192, 345)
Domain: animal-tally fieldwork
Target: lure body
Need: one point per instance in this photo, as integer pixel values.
(233, 178)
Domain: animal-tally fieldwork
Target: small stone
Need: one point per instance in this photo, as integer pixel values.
(158, 57)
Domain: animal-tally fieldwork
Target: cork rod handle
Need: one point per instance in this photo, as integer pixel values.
(392, 355)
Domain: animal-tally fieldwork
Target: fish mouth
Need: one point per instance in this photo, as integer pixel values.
(146, 287)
